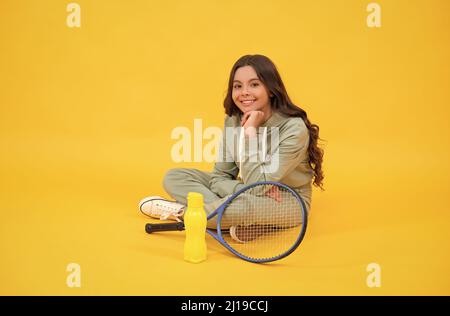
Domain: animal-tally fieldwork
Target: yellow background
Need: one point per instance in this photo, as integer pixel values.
(87, 114)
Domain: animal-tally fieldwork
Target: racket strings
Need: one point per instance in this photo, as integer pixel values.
(265, 221)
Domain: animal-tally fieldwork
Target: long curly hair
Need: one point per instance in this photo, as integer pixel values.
(280, 102)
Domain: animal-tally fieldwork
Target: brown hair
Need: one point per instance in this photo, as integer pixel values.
(280, 102)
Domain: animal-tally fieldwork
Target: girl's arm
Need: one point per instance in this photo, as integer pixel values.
(291, 152)
(224, 175)
(223, 181)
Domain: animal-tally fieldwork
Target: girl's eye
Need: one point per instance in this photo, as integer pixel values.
(253, 84)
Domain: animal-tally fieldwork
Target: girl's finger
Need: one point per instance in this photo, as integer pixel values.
(245, 118)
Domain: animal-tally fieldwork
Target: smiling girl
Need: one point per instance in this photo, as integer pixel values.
(256, 103)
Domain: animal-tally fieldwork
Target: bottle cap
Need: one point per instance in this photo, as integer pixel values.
(195, 199)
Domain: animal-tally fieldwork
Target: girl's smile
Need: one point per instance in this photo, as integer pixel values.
(247, 102)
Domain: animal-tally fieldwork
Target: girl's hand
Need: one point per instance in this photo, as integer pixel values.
(274, 193)
(251, 120)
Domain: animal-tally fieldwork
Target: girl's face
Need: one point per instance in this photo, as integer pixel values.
(249, 93)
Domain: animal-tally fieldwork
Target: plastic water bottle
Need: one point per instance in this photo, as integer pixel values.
(195, 227)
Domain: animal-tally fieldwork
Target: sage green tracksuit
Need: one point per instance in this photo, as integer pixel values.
(282, 159)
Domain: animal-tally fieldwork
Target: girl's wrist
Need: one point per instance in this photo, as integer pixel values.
(250, 131)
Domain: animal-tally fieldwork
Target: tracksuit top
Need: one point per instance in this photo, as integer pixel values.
(278, 153)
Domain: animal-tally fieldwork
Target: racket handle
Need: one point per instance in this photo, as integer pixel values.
(150, 228)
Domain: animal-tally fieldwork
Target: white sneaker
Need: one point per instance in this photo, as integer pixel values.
(160, 208)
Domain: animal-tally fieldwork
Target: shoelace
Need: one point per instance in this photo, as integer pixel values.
(166, 211)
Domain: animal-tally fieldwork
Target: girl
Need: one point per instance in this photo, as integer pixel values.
(256, 104)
